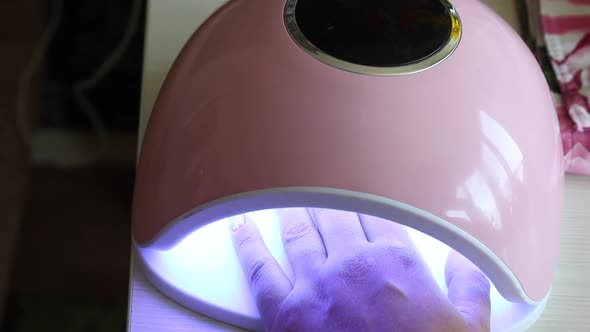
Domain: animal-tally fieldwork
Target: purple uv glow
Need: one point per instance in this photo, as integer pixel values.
(202, 271)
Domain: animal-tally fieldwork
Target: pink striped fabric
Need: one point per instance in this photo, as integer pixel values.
(566, 28)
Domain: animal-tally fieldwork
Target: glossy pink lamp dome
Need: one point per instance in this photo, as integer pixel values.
(441, 121)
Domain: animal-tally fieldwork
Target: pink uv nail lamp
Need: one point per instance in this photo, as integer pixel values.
(428, 113)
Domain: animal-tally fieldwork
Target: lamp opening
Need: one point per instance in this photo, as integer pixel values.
(202, 272)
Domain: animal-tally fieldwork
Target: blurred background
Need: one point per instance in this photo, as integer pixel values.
(70, 80)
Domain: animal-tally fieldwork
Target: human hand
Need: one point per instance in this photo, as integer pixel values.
(356, 273)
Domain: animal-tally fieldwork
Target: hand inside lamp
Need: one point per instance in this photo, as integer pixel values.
(356, 273)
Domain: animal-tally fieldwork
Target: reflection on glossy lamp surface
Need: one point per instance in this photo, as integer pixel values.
(429, 113)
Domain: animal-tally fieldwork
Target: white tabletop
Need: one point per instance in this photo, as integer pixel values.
(169, 24)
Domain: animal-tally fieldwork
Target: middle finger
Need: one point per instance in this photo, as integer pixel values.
(341, 231)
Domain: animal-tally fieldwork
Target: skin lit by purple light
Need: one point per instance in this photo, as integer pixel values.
(214, 238)
(204, 267)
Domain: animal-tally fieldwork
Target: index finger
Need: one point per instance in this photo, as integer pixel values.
(268, 282)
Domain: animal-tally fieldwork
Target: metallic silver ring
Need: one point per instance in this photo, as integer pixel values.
(442, 54)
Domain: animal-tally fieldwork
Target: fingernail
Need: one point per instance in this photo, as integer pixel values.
(236, 222)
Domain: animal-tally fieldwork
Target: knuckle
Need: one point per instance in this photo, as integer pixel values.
(257, 268)
(401, 254)
(392, 290)
(358, 268)
(244, 241)
(478, 282)
(296, 231)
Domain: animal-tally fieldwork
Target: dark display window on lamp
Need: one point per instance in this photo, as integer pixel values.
(410, 111)
(91, 70)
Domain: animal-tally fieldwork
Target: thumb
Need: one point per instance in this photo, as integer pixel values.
(469, 291)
